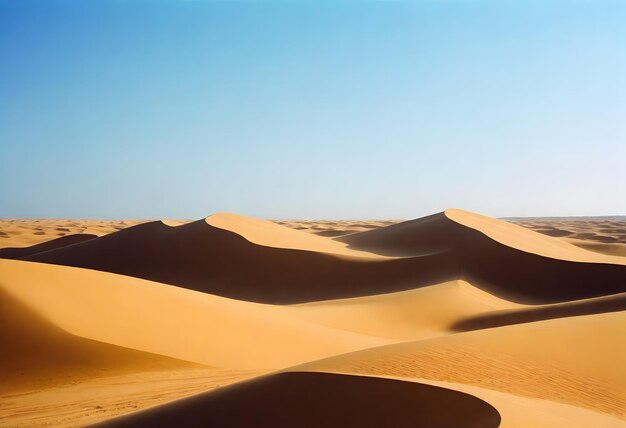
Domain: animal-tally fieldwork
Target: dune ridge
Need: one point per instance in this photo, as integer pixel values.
(36, 353)
(285, 399)
(454, 309)
(201, 257)
(53, 244)
(240, 264)
(577, 354)
(172, 321)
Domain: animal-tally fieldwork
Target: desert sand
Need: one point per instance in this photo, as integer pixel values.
(455, 319)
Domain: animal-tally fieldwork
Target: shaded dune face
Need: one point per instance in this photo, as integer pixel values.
(500, 269)
(64, 241)
(321, 399)
(433, 249)
(36, 353)
(613, 303)
(209, 259)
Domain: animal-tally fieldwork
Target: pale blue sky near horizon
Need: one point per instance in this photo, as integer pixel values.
(312, 109)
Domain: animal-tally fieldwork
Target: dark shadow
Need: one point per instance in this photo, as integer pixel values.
(304, 399)
(563, 310)
(53, 244)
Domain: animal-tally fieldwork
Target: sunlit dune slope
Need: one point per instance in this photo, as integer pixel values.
(205, 258)
(248, 259)
(270, 234)
(442, 309)
(320, 399)
(502, 258)
(36, 353)
(407, 315)
(576, 361)
(173, 321)
(531, 313)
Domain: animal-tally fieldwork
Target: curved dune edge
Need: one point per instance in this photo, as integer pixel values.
(523, 412)
(509, 270)
(222, 261)
(528, 314)
(421, 313)
(269, 234)
(37, 354)
(172, 321)
(526, 240)
(173, 223)
(581, 356)
(52, 244)
(304, 399)
(204, 258)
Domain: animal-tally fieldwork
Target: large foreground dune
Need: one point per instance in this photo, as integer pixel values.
(455, 319)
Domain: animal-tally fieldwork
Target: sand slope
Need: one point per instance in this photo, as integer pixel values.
(321, 400)
(172, 321)
(36, 353)
(64, 241)
(408, 315)
(205, 258)
(508, 260)
(580, 356)
(502, 258)
(89, 400)
(524, 323)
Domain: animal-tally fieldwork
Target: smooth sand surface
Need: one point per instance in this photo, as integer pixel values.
(455, 319)
(173, 321)
(571, 361)
(101, 397)
(408, 315)
(36, 353)
(507, 260)
(522, 239)
(303, 399)
(271, 234)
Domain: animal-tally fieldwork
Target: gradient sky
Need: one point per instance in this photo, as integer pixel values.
(312, 109)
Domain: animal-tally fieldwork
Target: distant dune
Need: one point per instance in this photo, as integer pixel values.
(242, 258)
(53, 244)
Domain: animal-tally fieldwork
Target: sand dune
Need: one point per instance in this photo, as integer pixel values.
(36, 353)
(321, 399)
(269, 234)
(438, 248)
(26, 232)
(53, 244)
(205, 258)
(580, 356)
(528, 314)
(408, 315)
(451, 311)
(172, 321)
(105, 395)
(502, 258)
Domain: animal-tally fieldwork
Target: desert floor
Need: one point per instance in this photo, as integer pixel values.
(454, 319)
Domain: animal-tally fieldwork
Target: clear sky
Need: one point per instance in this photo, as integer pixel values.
(312, 109)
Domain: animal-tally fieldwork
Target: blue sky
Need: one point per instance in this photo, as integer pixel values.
(312, 109)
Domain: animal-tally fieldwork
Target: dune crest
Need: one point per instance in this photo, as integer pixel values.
(577, 354)
(172, 321)
(526, 240)
(321, 400)
(36, 353)
(270, 234)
